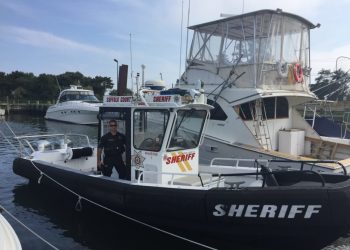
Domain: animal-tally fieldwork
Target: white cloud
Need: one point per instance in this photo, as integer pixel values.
(48, 40)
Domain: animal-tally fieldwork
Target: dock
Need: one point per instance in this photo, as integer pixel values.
(29, 107)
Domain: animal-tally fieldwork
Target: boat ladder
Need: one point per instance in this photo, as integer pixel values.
(261, 130)
(345, 124)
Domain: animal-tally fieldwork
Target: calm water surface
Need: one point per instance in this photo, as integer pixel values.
(51, 213)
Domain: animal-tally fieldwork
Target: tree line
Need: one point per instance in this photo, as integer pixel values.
(332, 85)
(19, 85)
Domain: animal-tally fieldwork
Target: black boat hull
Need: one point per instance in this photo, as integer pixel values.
(305, 218)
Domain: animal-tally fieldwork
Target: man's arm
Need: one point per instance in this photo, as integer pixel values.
(100, 146)
(99, 152)
(124, 143)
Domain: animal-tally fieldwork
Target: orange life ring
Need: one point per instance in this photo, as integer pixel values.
(298, 73)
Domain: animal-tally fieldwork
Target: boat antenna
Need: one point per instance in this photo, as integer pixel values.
(188, 24)
(58, 84)
(182, 17)
(143, 75)
(131, 72)
(137, 84)
(242, 6)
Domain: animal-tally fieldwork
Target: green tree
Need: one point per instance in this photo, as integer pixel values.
(99, 84)
(332, 85)
(128, 92)
(45, 87)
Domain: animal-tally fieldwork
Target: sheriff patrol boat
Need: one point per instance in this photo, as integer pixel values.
(214, 205)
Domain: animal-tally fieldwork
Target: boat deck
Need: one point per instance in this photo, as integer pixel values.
(333, 166)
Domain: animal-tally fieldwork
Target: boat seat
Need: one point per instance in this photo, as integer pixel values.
(194, 180)
(81, 152)
(75, 153)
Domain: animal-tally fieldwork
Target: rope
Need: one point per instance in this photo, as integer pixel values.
(26, 227)
(8, 141)
(8, 126)
(79, 206)
(41, 176)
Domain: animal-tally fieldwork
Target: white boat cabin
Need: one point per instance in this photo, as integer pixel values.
(255, 69)
(77, 93)
(162, 134)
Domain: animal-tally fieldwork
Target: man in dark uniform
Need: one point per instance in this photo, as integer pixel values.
(113, 145)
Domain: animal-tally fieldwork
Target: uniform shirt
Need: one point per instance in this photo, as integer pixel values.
(113, 145)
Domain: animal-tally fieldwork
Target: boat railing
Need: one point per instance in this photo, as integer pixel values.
(48, 142)
(267, 163)
(313, 163)
(237, 162)
(269, 178)
(200, 176)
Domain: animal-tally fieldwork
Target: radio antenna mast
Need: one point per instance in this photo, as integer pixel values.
(188, 21)
(58, 84)
(182, 17)
(131, 71)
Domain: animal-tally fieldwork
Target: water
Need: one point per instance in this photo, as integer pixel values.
(51, 213)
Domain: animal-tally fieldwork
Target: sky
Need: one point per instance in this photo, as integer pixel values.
(52, 37)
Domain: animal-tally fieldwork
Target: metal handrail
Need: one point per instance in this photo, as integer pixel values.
(302, 162)
(174, 174)
(237, 160)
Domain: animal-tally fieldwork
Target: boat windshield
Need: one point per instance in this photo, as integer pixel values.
(187, 129)
(149, 128)
(85, 96)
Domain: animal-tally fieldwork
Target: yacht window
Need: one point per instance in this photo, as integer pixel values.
(88, 96)
(149, 129)
(275, 107)
(187, 129)
(282, 109)
(217, 113)
(63, 98)
(246, 111)
(269, 104)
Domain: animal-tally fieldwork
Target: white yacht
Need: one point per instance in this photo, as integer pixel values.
(255, 69)
(75, 105)
(155, 84)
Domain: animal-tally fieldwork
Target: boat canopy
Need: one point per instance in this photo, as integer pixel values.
(266, 45)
